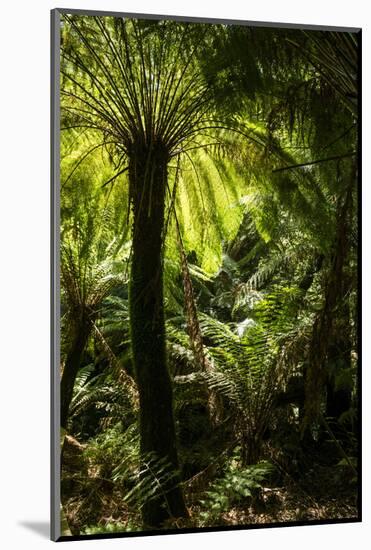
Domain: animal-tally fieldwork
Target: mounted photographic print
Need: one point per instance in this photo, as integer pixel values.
(205, 275)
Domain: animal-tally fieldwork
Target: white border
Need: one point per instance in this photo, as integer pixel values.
(24, 233)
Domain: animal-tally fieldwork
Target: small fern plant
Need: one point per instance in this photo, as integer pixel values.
(236, 488)
(250, 370)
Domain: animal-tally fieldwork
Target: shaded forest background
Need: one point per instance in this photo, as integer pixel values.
(208, 275)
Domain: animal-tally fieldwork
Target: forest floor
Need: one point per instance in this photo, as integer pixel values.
(321, 491)
(293, 502)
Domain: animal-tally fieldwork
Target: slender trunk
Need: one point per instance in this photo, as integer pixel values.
(148, 177)
(214, 401)
(71, 367)
(323, 327)
(338, 399)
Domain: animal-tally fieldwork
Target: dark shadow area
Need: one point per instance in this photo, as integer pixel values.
(42, 528)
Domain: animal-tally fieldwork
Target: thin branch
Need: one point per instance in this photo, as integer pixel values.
(90, 151)
(337, 157)
(115, 176)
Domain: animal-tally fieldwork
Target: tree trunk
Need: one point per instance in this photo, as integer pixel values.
(148, 178)
(316, 374)
(69, 374)
(214, 400)
(338, 400)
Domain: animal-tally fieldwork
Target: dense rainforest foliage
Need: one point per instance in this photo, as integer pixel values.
(209, 305)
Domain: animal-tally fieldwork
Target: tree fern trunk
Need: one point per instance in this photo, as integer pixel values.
(69, 374)
(148, 177)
